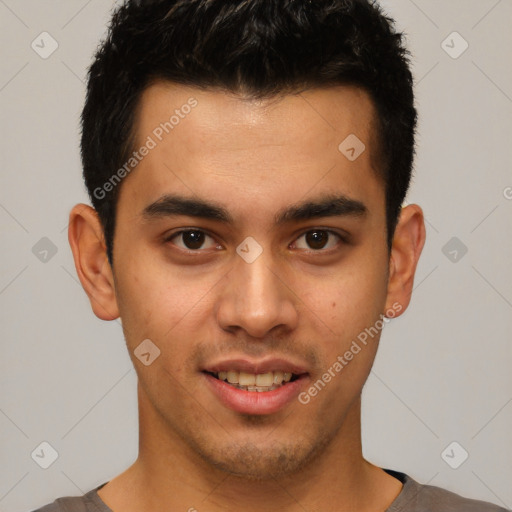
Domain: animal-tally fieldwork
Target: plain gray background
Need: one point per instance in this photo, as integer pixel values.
(442, 374)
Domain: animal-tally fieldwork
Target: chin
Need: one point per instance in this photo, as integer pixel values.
(276, 460)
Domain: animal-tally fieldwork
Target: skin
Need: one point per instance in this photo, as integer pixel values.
(296, 301)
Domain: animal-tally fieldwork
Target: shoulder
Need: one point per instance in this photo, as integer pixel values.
(67, 504)
(432, 496)
(89, 502)
(429, 498)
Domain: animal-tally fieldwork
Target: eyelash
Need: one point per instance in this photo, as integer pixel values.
(343, 239)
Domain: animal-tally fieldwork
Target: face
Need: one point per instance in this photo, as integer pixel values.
(250, 248)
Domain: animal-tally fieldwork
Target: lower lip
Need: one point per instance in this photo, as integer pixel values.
(255, 402)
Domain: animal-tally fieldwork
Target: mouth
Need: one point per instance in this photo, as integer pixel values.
(249, 387)
(260, 382)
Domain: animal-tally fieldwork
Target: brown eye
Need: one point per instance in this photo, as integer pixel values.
(191, 239)
(318, 239)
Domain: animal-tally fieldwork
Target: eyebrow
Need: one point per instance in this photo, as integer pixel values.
(171, 205)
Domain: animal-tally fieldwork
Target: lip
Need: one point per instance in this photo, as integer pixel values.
(267, 365)
(254, 402)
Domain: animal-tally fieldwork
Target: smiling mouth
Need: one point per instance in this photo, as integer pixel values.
(255, 382)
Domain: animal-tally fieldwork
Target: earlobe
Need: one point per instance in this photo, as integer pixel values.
(85, 235)
(408, 242)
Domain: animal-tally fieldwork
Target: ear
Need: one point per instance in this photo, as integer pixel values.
(85, 235)
(408, 242)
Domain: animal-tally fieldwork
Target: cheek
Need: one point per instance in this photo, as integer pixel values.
(141, 296)
(350, 304)
(158, 308)
(348, 301)
(157, 302)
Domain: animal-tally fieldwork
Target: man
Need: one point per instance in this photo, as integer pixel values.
(247, 162)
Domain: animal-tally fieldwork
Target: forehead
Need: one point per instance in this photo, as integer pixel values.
(229, 121)
(214, 143)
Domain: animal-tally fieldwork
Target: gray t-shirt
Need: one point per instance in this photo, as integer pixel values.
(414, 497)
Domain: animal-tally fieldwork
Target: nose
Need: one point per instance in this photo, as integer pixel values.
(257, 298)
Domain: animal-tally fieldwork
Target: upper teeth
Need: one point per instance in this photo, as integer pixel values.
(268, 379)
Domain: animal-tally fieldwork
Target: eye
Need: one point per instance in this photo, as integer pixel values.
(195, 239)
(318, 239)
(191, 239)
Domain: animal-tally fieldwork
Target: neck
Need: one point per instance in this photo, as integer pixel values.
(168, 474)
